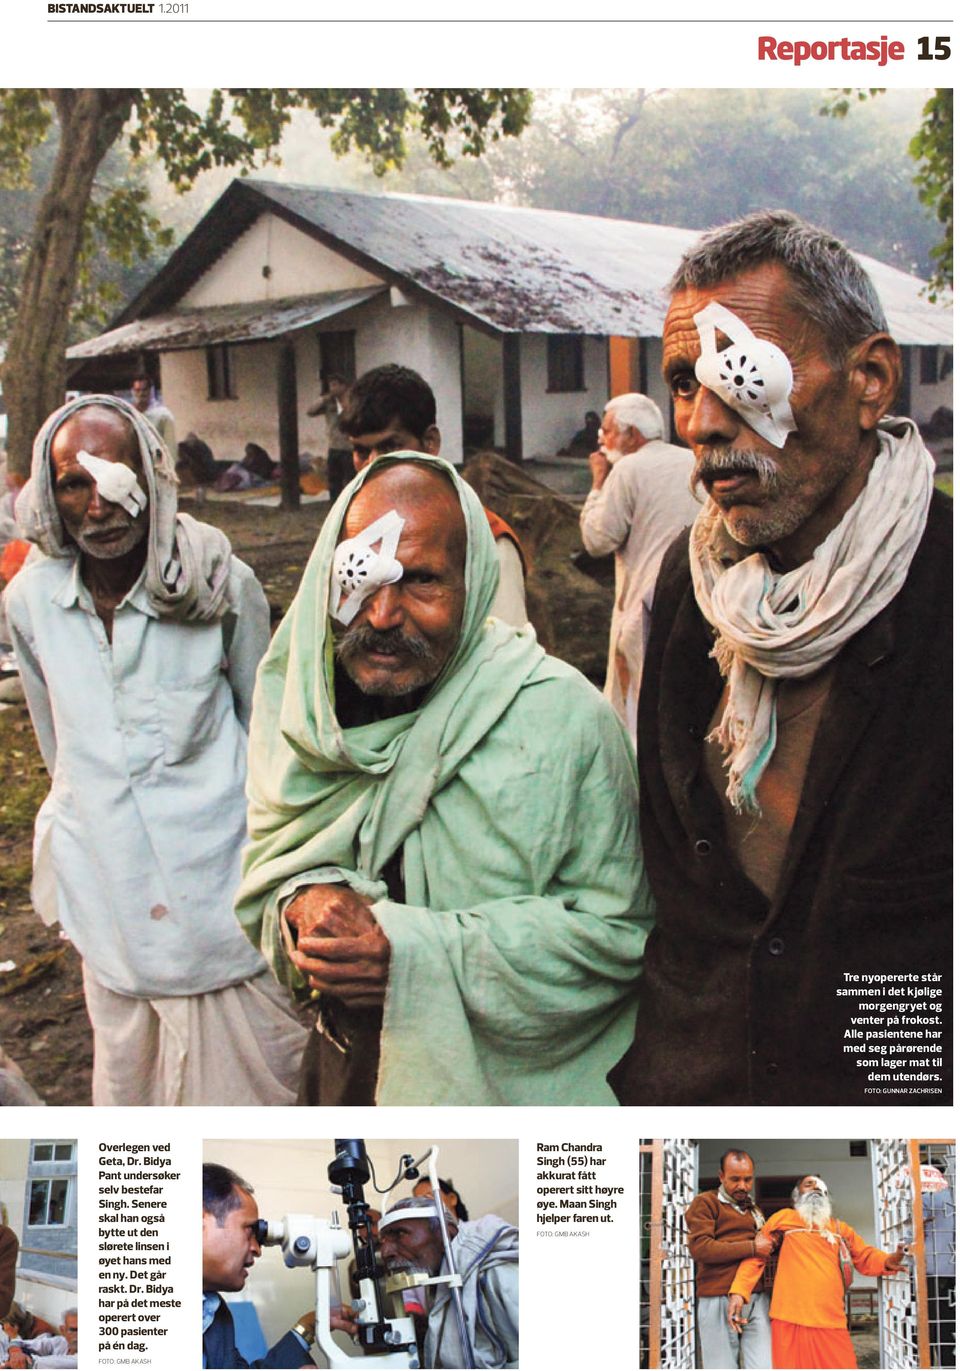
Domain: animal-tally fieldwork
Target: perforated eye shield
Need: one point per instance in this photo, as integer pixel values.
(751, 375)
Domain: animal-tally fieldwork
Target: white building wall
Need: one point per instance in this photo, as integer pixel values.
(483, 378)
(47, 1297)
(412, 335)
(656, 387)
(551, 419)
(296, 263)
(428, 341)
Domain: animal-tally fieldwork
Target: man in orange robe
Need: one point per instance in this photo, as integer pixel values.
(808, 1318)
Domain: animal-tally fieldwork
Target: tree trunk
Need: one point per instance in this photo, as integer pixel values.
(35, 369)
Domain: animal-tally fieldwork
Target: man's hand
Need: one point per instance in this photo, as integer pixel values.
(341, 949)
(762, 1245)
(17, 1357)
(342, 1321)
(734, 1310)
(600, 469)
(895, 1260)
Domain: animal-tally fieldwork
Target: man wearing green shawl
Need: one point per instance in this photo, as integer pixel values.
(443, 820)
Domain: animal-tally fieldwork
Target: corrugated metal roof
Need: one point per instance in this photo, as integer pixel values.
(194, 328)
(545, 271)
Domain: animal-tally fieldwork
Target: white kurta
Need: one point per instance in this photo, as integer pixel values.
(138, 842)
(636, 514)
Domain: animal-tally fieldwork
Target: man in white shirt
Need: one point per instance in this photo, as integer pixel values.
(162, 419)
(138, 637)
(640, 500)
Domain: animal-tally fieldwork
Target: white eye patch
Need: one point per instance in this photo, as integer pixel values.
(359, 571)
(752, 376)
(115, 482)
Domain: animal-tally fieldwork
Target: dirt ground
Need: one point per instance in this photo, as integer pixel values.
(43, 1021)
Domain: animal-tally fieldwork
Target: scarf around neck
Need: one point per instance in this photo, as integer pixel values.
(772, 624)
(325, 797)
(188, 562)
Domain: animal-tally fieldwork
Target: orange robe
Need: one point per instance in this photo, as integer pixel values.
(808, 1316)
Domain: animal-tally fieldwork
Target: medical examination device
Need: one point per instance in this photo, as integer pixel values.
(386, 1332)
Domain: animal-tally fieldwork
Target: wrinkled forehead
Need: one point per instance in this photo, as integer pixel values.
(762, 298)
(423, 497)
(102, 432)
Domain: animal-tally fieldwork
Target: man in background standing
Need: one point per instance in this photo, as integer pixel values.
(640, 501)
(147, 403)
(339, 459)
(393, 409)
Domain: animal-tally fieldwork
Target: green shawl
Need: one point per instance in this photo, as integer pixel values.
(512, 792)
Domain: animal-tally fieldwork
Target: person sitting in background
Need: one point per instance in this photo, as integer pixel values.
(21, 1323)
(46, 1350)
(584, 440)
(256, 469)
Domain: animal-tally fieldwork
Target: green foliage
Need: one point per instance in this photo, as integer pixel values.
(122, 237)
(932, 147)
(837, 103)
(25, 117)
(237, 129)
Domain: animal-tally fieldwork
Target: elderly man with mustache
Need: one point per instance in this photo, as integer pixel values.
(794, 719)
(442, 818)
(817, 1254)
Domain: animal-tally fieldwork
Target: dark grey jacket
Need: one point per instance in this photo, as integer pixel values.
(738, 1001)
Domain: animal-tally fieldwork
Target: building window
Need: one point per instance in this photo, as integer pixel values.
(564, 361)
(936, 364)
(52, 1152)
(220, 379)
(48, 1243)
(337, 356)
(48, 1203)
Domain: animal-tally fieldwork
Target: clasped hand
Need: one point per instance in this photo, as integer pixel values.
(340, 947)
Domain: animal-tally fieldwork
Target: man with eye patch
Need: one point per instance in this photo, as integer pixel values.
(419, 867)
(393, 409)
(794, 719)
(137, 635)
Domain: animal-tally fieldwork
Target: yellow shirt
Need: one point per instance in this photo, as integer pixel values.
(809, 1287)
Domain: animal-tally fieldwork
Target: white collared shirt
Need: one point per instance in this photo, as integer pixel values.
(138, 842)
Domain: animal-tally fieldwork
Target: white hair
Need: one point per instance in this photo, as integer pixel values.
(636, 411)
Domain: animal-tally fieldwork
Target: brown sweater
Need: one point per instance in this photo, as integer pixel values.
(720, 1237)
(9, 1247)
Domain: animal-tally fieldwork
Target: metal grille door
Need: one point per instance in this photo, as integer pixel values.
(938, 1187)
(896, 1199)
(672, 1288)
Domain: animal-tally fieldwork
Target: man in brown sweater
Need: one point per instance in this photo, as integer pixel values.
(723, 1229)
(9, 1247)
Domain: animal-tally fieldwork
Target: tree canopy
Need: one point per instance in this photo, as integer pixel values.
(81, 212)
